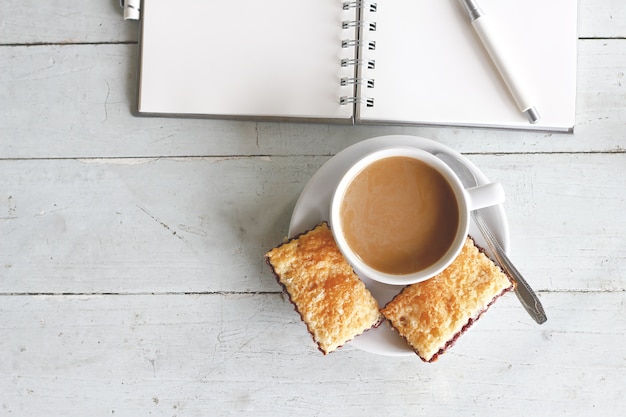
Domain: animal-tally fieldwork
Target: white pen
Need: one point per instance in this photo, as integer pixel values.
(497, 52)
(132, 9)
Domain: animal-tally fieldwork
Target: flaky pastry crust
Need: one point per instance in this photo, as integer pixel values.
(432, 314)
(326, 292)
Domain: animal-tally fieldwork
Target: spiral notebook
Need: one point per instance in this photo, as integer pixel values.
(384, 62)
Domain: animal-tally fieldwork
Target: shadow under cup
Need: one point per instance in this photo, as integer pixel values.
(400, 215)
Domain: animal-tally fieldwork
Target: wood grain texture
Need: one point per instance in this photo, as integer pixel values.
(73, 21)
(191, 355)
(64, 22)
(140, 225)
(203, 224)
(79, 98)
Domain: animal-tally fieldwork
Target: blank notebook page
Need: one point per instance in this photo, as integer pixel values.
(431, 66)
(278, 58)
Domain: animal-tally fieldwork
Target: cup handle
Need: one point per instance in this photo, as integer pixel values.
(485, 195)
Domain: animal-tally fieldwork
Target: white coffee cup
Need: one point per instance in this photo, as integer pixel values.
(466, 200)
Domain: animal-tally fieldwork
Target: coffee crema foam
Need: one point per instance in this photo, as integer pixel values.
(399, 215)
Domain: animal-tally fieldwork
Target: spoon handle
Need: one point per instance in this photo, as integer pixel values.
(524, 292)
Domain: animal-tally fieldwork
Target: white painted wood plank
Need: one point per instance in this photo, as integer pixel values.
(203, 224)
(101, 21)
(70, 21)
(566, 217)
(601, 19)
(75, 101)
(128, 225)
(225, 355)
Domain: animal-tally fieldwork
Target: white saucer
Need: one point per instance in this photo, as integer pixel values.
(314, 204)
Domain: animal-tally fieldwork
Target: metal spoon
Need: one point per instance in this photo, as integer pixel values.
(524, 292)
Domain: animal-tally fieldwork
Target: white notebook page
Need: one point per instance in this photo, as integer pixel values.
(275, 58)
(432, 68)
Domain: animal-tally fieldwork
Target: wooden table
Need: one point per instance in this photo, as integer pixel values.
(132, 278)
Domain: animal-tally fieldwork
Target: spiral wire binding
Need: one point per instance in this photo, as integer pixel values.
(371, 6)
(368, 82)
(368, 101)
(359, 25)
(369, 63)
(347, 43)
(371, 26)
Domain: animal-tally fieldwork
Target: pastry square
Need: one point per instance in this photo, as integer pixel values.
(332, 301)
(431, 315)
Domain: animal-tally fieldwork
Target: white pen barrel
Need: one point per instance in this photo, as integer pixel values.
(504, 64)
(131, 9)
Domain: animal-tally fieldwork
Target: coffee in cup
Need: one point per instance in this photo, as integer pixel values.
(400, 215)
